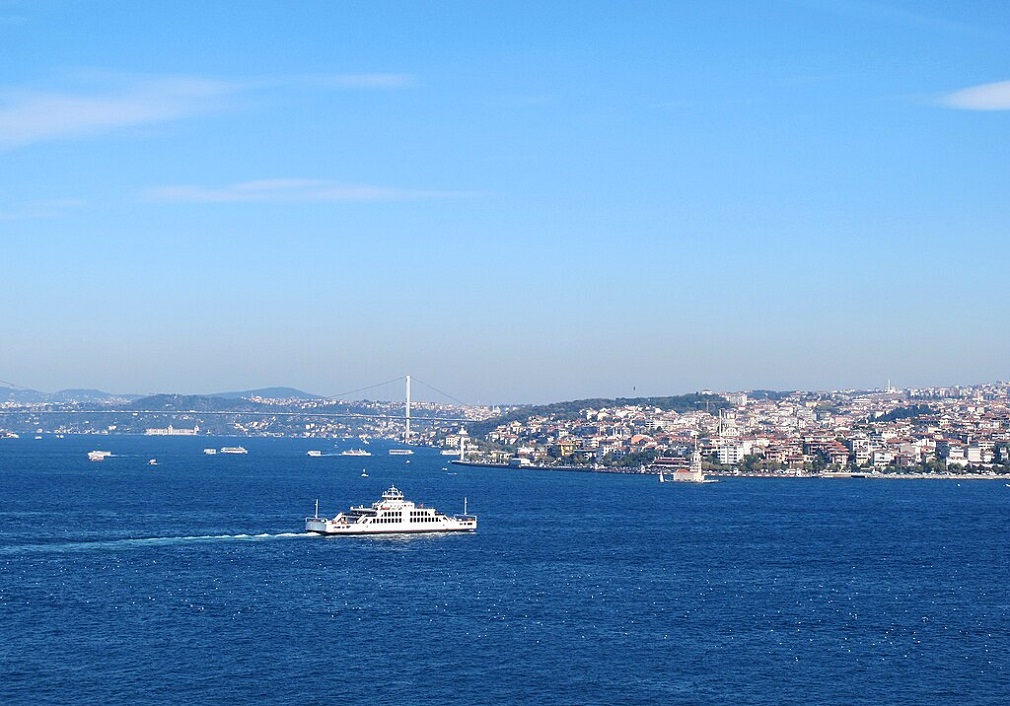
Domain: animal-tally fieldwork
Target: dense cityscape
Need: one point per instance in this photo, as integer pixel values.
(924, 431)
(921, 432)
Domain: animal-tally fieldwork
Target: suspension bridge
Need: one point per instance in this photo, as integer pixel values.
(406, 417)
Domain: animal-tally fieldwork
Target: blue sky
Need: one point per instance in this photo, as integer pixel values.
(512, 201)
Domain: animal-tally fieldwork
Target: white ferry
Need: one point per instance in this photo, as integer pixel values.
(401, 452)
(234, 450)
(98, 455)
(172, 431)
(355, 452)
(391, 515)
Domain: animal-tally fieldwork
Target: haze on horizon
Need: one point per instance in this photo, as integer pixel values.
(511, 202)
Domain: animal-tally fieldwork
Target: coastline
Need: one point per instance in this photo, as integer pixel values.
(541, 467)
(856, 475)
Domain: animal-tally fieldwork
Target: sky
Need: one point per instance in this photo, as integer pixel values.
(511, 201)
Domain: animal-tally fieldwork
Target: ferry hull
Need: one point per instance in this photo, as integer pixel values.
(329, 527)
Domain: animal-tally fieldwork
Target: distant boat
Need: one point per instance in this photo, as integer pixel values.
(355, 452)
(98, 455)
(234, 450)
(364, 473)
(171, 431)
(314, 453)
(210, 452)
(153, 462)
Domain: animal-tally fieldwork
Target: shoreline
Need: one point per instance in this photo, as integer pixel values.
(841, 475)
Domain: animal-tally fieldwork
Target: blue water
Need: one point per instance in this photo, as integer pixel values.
(192, 581)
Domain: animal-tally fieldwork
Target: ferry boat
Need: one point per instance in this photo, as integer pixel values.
(401, 452)
(391, 515)
(98, 455)
(234, 450)
(355, 452)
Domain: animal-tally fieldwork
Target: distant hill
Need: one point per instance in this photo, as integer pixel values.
(22, 395)
(276, 393)
(86, 395)
(196, 403)
(677, 403)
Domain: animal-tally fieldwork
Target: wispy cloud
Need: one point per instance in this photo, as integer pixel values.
(293, 190)
(53, 208)
(28, 116)
(987, 96)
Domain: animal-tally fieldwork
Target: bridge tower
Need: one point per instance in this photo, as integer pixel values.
(406, 433)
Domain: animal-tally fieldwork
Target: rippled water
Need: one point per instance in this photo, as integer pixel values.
(193, 581)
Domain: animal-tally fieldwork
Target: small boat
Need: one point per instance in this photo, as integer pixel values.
(153, 462)
(98, 455)
(210, 452)
(391, 515)
(401, 452)
(364, 473)
(314, 453)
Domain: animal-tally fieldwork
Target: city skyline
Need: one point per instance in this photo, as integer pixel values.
(521, 204)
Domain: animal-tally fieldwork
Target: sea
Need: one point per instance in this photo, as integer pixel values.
(192, 581)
